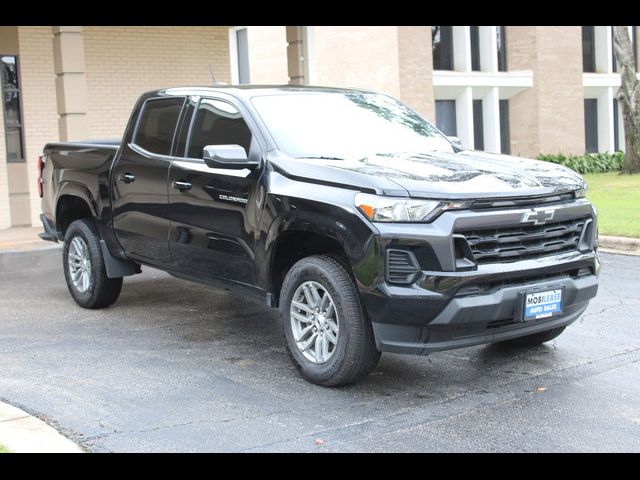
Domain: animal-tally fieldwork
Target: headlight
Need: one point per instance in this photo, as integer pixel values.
(580, 193)
(393, 209)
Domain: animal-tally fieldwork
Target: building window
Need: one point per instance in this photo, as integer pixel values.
(242, 55)
(11, 106)
(616, 127)
(442, 43)
(475, 48)
(591, 124)
(588, 49)
(478, 126)
(501, 38)
(446, 117)
(505, 140)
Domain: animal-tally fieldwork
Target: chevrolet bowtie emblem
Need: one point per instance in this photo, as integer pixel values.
(537, 217)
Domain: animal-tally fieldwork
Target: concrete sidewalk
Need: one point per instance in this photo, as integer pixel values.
(21, 432)
(23, 238)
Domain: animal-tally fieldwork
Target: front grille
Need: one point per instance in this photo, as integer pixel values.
(523, 242)
(402, 266)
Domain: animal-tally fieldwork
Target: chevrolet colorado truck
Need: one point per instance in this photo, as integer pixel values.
(363, 224)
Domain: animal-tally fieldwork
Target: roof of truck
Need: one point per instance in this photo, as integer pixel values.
(251, 90)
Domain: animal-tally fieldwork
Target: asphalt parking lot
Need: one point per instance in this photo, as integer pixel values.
(175, 366)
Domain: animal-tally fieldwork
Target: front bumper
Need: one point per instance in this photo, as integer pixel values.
(477, 319)
(446, 307)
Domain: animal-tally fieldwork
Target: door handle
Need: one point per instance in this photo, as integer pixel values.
(181, 185)
(127, 177)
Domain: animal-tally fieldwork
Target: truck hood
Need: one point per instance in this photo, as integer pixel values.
(462, 175)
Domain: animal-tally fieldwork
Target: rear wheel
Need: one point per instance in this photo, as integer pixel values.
(84, 268)
(535, 338)
(327, 333)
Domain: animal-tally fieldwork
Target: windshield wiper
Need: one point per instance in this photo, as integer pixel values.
(320, 157)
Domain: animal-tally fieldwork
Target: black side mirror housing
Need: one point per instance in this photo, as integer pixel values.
(228, 156)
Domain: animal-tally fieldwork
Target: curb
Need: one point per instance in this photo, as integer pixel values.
(625, 245)
(21, 432)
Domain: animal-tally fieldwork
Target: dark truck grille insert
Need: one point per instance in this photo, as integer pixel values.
(402, 266)
(523, 242)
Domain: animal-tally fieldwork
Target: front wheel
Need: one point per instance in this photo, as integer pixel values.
(327, 333)
(84, 267)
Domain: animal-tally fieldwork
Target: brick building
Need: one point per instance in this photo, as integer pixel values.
(512, 89)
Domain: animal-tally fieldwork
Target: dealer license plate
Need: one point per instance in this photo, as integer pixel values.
(545, 304)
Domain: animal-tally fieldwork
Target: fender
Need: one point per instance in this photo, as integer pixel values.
(335, 221)
(76, 189)
(115, 267)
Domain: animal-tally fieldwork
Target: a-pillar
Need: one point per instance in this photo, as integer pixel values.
(71, 84)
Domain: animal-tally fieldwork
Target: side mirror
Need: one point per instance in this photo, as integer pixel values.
(456, 142)
(227, 156)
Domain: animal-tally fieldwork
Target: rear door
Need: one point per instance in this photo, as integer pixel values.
(215, 211)
(139, 182)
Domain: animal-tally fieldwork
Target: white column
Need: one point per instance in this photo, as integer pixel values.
(461, 36)
(605, 121)
(464, 118)
(603, 49)
(491, 120)
(488, 48)
(309, 54)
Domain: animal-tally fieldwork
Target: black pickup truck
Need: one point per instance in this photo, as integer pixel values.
(368, 228)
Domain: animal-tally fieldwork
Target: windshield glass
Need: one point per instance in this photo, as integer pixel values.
(346, 125)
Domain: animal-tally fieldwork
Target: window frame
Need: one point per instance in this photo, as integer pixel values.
(248, 120)
(134, 134)
(21, 115)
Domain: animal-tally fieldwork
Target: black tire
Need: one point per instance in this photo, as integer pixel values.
(102, 291)
(535, 338)
(355, 353)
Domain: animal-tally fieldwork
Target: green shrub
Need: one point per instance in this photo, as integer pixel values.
(588, 163)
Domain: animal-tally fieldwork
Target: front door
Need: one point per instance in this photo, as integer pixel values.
(214, 211)
(139, 183)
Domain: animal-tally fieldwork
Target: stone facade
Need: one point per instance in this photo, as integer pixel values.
(549, 117)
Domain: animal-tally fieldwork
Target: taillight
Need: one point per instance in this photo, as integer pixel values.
(40, 168)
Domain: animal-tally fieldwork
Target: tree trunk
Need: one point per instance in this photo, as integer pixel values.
(630, 96)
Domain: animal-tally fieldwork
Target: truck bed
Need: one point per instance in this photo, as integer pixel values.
(85, 155)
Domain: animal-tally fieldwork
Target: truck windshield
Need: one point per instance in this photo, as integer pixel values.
(346, 125)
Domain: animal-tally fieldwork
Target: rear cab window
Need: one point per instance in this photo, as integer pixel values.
(157, 124)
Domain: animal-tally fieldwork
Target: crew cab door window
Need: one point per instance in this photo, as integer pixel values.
(217, 123)
(157, 125)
